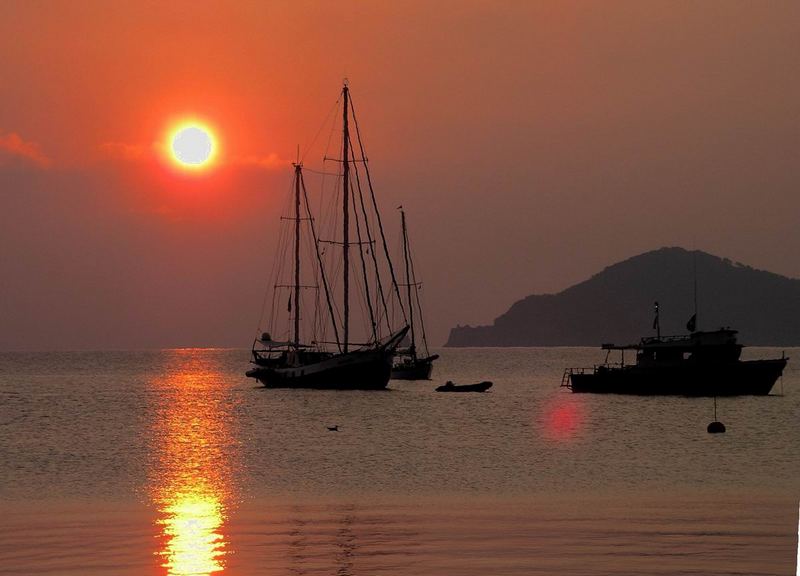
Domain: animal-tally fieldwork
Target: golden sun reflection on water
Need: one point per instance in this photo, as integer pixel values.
(191, 470)
(195, 544)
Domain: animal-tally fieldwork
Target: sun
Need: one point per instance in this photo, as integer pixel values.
(192, 145)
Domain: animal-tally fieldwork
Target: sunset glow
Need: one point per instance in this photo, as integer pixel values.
(192, 146)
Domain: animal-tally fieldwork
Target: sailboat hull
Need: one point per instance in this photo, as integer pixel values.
(358, 370)
(419, 369)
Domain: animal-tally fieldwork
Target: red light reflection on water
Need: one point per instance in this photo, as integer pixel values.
(562, 418)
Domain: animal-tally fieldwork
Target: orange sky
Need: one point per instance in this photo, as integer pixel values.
(531, 143)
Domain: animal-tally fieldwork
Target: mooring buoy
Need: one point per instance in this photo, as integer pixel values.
(716, 427)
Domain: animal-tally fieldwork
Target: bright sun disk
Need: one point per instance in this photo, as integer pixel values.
(192, 146)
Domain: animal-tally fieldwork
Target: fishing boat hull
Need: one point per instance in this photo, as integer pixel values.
(418, 369)
(358, 370)
(753, 377)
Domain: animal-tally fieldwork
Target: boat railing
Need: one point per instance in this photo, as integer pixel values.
(656, 339)
(566, 381)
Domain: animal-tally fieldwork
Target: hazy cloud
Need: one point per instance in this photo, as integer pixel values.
(135, 152)
(13, 146)
(269, 162)
(124, 151)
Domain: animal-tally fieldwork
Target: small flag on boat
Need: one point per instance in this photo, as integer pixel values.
(692, 323)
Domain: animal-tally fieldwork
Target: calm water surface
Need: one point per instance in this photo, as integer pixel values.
(171, 462)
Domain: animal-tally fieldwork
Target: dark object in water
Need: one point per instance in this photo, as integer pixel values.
(334, 428)
(716, 427)
(479, 387)
(700, 364)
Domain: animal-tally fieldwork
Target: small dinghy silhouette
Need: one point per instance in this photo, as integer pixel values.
(479, 387)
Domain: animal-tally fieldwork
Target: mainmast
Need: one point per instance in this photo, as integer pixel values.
(346, 209)
(297, 175)
(408, 280)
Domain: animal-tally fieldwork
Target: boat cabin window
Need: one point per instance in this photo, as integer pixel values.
(664, 355)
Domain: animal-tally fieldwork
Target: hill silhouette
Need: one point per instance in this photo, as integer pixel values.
(616, 305)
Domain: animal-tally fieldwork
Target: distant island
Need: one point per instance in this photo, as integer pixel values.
(616, 305)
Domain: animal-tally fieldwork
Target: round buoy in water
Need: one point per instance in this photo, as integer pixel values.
(716, 428)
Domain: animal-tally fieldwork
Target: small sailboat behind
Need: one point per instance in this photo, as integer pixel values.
(316, 361)
(414, 362)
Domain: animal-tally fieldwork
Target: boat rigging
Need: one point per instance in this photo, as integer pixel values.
(295, 364)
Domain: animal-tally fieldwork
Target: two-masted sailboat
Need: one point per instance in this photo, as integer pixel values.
(314, 362)
(414, 362)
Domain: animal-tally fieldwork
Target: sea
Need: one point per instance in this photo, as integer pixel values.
(172, 462)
